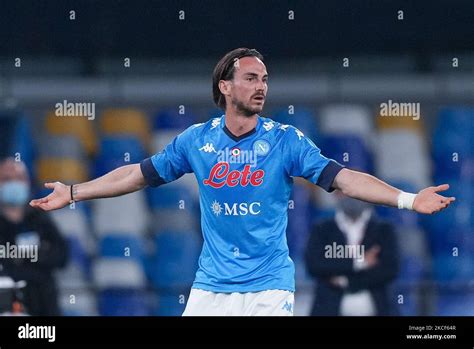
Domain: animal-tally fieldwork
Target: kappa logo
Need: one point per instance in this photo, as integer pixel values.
(299, 134)
(208, 148)
(268, 125)
(215, 122)
(288, 306)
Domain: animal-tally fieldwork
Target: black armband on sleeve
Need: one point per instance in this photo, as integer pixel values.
(152, 177)
(326, 178)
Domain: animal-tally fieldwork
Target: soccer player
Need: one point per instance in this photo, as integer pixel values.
(244, 164)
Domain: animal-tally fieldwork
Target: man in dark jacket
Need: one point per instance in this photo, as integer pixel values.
(354, 257)
(31, 247)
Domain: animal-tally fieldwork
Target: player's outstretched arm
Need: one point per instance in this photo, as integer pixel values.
(368, 188)
(123, 180)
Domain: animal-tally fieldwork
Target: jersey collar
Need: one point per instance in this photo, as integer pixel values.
(245, 135)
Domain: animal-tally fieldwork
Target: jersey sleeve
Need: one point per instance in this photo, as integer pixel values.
(170, 163)
(304, 159)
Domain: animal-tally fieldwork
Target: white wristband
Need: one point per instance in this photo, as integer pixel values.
(406, 200)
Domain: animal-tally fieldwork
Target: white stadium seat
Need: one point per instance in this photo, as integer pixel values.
(78, 302)
(347, 118)
(73, 223)
(402, 155)
(123, 214)
(118, 273)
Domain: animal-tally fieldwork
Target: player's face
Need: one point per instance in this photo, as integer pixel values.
(249, 86)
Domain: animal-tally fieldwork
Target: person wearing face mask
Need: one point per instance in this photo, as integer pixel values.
(353, 257)
(31, 247)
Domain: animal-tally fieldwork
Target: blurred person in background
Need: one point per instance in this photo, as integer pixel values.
(20, 225)
(352, 284)
(10, 295)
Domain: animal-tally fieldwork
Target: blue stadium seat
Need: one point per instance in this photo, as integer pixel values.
(404, 218)
(123, 302)
(408, 305)
(412, 269)
(171, 304)
(451, 153)
(23, 143)
(123, 246)
(453, 134)
(78, 254)
(118, 151)
(338, 147)
(171, 119)
(303, 118)
(16, 138)
(320, 214)
(455, 303)
(444, 241)
(456, 118)
(302, 278)
(299, 220)
(214, 113)
(449, 268)
(170, 197)
(175, 261)
(459, 213)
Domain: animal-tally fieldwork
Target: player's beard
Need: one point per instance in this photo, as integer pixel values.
(245, 109)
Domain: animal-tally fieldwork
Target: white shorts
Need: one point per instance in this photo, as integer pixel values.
(264, 303)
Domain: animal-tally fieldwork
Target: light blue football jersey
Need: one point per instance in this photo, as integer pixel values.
(244, 184)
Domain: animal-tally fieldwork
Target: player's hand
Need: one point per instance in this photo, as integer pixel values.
(371, 256)
(428, 201)
(338, 281)
(59, 198)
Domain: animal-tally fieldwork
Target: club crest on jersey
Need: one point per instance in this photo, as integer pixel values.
(261, 147)
(220, 176)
